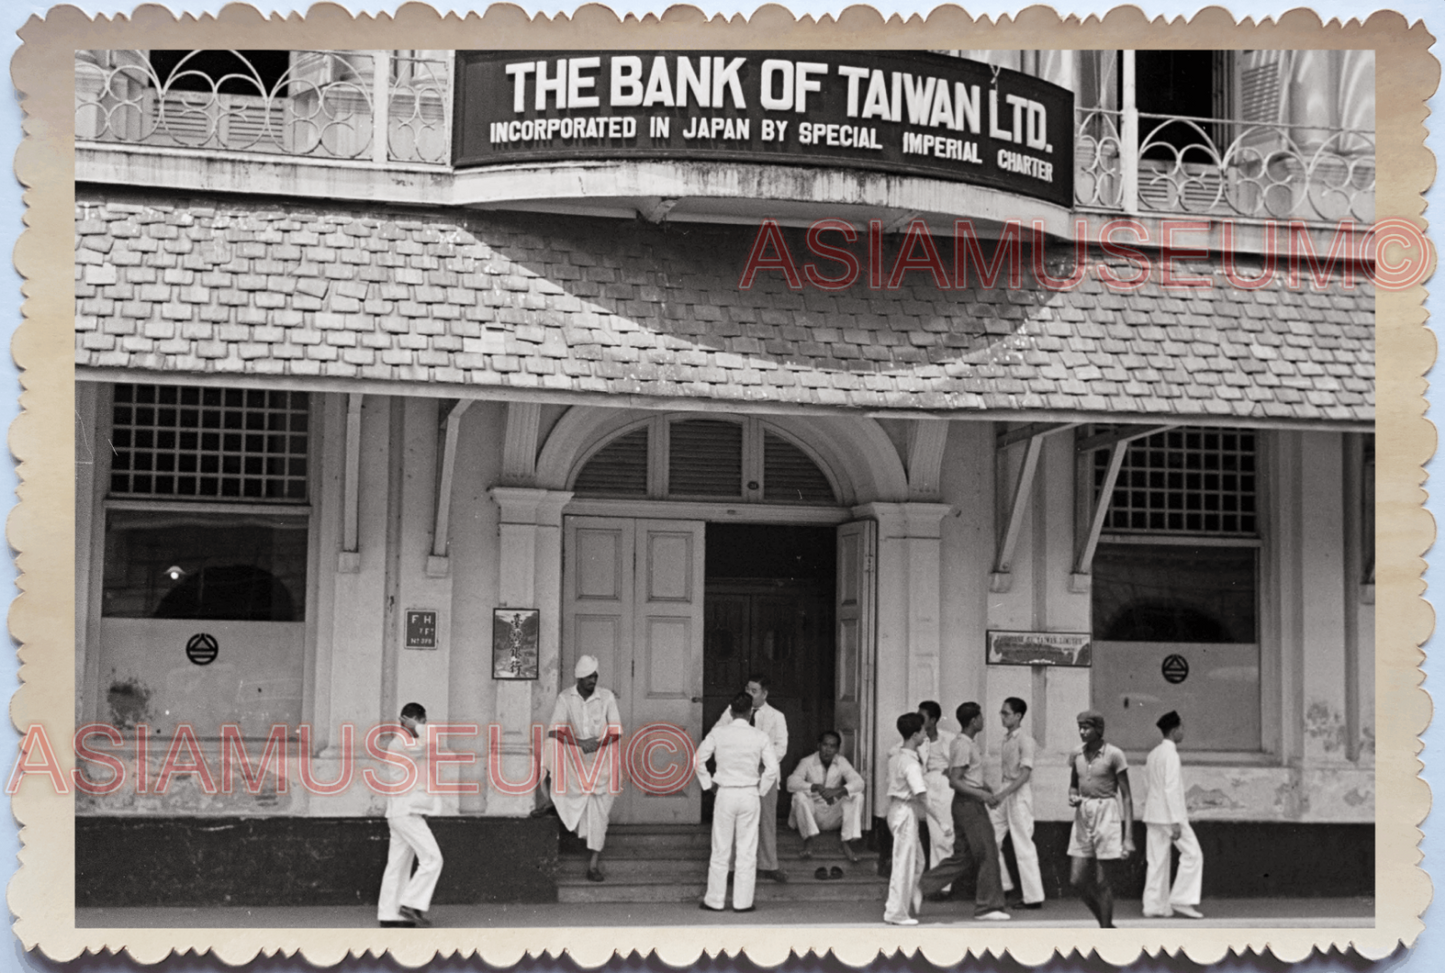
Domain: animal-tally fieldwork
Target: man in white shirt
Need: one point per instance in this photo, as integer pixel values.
(771, 722)
(739, 750)
(974, 847)
(1167, 822)
(405, 897)
(907, 799)
(584, 760)
(827, 796)
(935, 755)
(1012, 807)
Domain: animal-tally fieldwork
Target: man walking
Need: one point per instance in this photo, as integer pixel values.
(771, 722)
(972, 830)
(1098, 841)
(936, 751)
(827, 796)
(738, 749)
(1167, 822)
(585, 728)
(1013, 806)
(406, 897)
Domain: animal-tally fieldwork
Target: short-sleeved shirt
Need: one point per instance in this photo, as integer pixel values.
(967, 754)
(1099, 777)
(938, 752)
(905, 773)
(1017, 753)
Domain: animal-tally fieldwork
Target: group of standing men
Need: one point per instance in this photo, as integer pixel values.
(934, 776)
(967, 819)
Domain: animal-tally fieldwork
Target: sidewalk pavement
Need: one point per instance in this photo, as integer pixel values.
(1344, 913)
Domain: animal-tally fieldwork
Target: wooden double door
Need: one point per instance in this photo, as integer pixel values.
(785, 629)
(674, 648)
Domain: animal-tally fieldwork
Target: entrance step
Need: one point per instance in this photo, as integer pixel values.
(668, 863)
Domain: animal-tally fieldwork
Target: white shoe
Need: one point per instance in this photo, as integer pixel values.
(996, 915)
(910, 921)
(1157, 915)
(1189, 910)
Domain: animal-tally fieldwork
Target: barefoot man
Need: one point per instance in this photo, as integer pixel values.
(1099, 841)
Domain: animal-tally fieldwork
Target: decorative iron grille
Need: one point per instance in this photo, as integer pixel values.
(188, 443)
(1188, 480)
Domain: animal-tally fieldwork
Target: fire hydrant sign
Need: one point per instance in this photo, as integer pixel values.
(930, 115)
(421, 629)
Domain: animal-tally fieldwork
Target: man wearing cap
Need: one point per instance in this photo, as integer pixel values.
(1167, 822)
(584, 759)
(1099, 840)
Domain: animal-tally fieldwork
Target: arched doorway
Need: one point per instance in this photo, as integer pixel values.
(698, 549)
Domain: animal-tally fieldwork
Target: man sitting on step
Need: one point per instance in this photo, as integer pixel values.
(827, 796)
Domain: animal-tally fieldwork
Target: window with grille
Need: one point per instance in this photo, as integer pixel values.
(618, 469)
(1175, 588)
(705, 458)
(207, 514)
(1188, 480)
(790, 475)
(180, 442)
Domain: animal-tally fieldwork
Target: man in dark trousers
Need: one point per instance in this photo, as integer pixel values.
(973, 841)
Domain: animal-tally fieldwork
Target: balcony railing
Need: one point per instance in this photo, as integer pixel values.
(324, 105)
(393, 108)
(1217, 167)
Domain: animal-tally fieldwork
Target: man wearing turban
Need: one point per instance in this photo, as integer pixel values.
(583, 756)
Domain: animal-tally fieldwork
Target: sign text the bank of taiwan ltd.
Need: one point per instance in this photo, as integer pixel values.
(923, 114)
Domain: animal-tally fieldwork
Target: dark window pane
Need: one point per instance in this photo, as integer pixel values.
(1174, 593)
(163, 564)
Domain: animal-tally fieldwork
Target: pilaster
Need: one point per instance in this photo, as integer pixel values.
(529, 553)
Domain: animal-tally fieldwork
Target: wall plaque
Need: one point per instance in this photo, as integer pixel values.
(1040, 649)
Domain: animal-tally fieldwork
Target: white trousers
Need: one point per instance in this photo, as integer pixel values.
(903, 890)
(1158, 897)
(811, 814)
(940, 818)
(735, 817)
(411, 840)
(1015, 817)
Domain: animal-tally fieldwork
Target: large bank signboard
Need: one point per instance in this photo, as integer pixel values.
(922, 114)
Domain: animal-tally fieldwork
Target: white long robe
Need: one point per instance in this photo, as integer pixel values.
(588, 783)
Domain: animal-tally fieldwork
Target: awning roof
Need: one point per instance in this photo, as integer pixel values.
(244, 289)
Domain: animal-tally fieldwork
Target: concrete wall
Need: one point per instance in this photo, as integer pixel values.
(1316, 763)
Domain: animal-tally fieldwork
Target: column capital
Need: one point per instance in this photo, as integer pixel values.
(529, 505)
(911, 519)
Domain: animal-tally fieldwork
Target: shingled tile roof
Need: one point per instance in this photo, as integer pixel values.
(580, 305)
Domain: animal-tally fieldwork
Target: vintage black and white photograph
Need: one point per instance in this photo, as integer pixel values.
(941, 484)
(514, 643)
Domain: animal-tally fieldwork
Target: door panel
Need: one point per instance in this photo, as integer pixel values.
(633, 598)
(597, 599)
(853, 708)
(667, 671)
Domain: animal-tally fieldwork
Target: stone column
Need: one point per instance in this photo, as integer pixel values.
(907, 611)
(529, 554)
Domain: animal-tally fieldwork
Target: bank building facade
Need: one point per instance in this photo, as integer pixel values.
(958, 375)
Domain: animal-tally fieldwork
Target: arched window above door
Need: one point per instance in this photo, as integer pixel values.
(686, 457)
